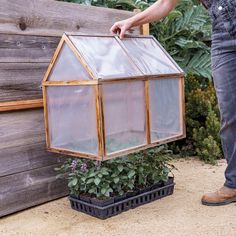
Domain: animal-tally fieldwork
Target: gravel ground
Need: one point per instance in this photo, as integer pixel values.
(179, 215)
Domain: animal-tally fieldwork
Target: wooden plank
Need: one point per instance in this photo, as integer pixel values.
(21, 81)
(27, 48)
(52, 18)
(22, 139)
(20, 105)
(30, 188)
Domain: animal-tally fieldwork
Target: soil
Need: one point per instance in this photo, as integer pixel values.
(178, 215)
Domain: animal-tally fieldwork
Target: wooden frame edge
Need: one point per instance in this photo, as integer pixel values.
(80, 57)
(99, 122)
(46, 123)
(147, 109)
(72, 153)
(101, 98)
(54, 58)
(143, 147)
(70, 82)
(21, 105)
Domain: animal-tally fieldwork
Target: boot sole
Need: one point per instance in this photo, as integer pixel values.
(226, 202)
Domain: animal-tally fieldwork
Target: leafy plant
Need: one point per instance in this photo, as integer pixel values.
(115, 177)
(203, 122)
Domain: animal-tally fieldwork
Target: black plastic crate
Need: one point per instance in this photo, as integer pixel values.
(124, 205)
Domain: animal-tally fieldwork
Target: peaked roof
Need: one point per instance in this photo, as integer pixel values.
(103, 57)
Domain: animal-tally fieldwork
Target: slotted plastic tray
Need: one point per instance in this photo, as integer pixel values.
(124, 205)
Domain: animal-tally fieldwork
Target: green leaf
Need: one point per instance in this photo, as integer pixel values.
(97, 181)
(92, 174)
(104, 171)
(92, 190)
(103, 191)
(73, 182)
(120, 168)
(116, 180)
(90, 181)
(131, 174)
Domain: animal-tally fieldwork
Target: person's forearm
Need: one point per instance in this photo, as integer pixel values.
(156, 12)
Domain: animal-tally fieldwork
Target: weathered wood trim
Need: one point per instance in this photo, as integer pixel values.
(53, 18)
(21, 81)
(27, 48)
(20, 105)
(22, 142)
(30, 188)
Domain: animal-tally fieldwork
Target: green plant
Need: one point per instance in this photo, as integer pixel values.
(203, 122)
(115, 177)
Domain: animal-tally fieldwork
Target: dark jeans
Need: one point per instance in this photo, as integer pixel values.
(224, 76)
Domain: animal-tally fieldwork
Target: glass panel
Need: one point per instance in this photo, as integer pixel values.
(72, 118)
(68, 67)
(105, 57)
(164, 108)
(149, 56)
(124, 114)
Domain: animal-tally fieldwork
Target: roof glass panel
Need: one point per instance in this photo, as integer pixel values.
(105, 57)
(149, 56)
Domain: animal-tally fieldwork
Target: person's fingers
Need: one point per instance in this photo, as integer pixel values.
(115, 28)
(122, 32)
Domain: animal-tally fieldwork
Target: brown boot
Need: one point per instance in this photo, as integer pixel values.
(221, 197)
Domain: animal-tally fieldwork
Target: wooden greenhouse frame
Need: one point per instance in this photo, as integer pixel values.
(97, 84)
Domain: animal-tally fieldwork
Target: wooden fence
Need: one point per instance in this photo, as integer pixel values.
(29, 33)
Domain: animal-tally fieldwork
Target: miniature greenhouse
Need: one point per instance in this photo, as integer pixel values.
(105, 97)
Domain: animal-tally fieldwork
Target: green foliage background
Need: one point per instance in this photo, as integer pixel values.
(185, 33)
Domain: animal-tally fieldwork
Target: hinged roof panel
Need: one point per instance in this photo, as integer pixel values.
(104, 57)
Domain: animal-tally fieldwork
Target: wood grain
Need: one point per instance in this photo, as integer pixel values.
(23, 145)
(29, 188)
(27, 48)
(21, 105)
(21, 81)
(52, 18)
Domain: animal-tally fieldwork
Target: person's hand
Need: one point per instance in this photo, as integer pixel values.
(120, 27)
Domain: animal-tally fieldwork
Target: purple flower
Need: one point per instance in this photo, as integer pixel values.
(84, 167)
(73, 165)
(97, 164)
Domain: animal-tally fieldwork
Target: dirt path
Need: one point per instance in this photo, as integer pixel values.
(178, 215)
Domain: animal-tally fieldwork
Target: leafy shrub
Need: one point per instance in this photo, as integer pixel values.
(114, 177)
(202, 121)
